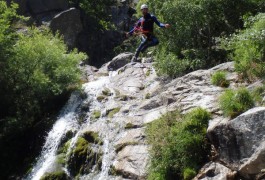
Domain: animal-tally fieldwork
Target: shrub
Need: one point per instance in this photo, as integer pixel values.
(37, 75)
(195, 26)
(189, 174)
(219, 79)
(258, 94)
(235, 102)
(179, 145)
(248, 48)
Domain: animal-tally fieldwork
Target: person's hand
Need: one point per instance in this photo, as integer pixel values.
(128, 35)
(167, 25)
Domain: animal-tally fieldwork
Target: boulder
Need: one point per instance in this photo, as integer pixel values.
(120, 61)
(215, 171)
(44, 6)
(68, 23)
(131, 162)
(240, 142)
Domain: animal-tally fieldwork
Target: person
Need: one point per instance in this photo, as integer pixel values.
(145, 28)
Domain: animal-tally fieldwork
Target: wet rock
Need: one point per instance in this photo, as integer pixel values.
(240, 142)
(68, 24)
(58, 175)
(84, 157)
(120, 61)
(215, 171)
(131, 162)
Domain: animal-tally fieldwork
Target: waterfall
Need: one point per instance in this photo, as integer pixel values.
(67, 121)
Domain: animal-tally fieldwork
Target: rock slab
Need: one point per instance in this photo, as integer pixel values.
(240, 142)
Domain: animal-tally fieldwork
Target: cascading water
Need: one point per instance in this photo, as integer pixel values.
(67, 121)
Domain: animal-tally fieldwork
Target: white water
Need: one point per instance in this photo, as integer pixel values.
(67, 121)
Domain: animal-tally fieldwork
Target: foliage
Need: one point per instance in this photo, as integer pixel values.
(248, 48)
(37, 73)
(98, 11)
(179, 145)
(258, 93)
(38, 70)
(195, 26)
(189, 174)
(219, 79)
(235, 102)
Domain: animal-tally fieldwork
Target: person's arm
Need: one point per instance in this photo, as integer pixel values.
(137, 25)
(159, 23)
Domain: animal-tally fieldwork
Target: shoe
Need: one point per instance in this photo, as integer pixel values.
(135, 59)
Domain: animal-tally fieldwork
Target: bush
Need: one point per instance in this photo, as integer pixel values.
(179, 145)
(38, 71)
(258, 94)
(37, 75)
(189, 174)
(248, 48)
(195, 26)
(235, 102)
(219, 79)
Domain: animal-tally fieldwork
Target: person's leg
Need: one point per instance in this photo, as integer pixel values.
(139, 49)
(153, 41)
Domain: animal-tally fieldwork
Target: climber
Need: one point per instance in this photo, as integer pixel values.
(145, 28)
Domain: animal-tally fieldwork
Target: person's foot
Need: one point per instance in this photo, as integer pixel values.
(135, 59)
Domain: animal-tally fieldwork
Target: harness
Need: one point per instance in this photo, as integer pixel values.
(140, 30)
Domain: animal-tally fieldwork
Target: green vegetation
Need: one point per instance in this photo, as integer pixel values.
(101, 98)
(248, 48)
(190, 43)
(258, 93)
(106, 92)
(219, 79)
(235, 102)
(97, 11)
(189, 174)
(179, 145)
(112, 112)
(37, 75)
(92, 137)
(130, 125)
(119, 147)
(96, 114)
(83, 157)
(58, 175)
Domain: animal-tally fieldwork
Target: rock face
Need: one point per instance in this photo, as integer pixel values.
(119, 61)
(43, 6)
(68, 24)
(240, 142)
(123, 98)
(132, 161)
(215, 171)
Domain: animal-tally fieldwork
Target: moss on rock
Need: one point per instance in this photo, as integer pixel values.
(101, 98)
(58, 175)
(92, 137)
(112, 112)
(96, 114)
(83, 158)
(106, 92)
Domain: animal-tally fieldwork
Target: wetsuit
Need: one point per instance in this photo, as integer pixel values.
(146, 26)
